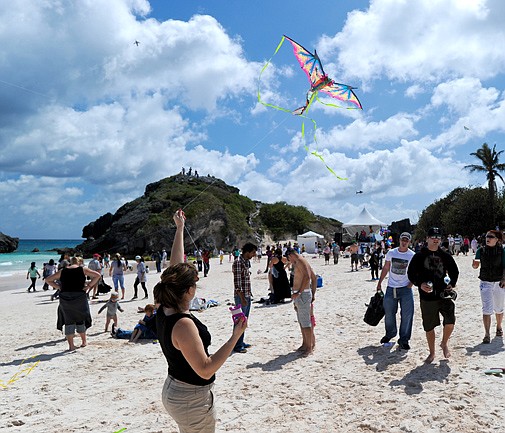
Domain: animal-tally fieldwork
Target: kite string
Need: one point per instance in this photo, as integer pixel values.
(215, 180)
(21, 373)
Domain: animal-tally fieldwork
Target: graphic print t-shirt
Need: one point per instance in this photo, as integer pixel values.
(399, 264)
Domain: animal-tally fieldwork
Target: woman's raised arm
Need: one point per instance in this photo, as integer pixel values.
(177, 254)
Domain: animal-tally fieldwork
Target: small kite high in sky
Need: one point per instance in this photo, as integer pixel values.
(319, 82)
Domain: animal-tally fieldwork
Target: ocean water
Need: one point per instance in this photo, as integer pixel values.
(19, 261)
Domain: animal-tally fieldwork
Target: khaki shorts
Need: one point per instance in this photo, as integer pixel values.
(191, 406)
(302, 305)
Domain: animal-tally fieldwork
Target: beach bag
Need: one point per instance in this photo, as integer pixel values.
(103, 287)
(319, 282)
(375, 309)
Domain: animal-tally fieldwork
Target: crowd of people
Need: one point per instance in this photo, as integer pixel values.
(187, 393)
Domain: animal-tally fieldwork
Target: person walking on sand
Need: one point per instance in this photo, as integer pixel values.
(116, 270)
(427, 271)
(33, 274)
(112, 306)
(242, 287)
(141, 277)
(304, 294)
(188, 390)
(398, 291)
(491, 259)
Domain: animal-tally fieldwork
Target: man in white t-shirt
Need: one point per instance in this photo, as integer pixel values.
(399, 291)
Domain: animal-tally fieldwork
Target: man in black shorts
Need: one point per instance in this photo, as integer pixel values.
(353, 249)
(427, 271)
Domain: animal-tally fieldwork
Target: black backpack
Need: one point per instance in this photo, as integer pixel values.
(103, 287)
(375, 309)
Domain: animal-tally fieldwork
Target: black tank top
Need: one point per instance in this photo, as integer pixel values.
(491, 267)
(178, 367)
(72, 279)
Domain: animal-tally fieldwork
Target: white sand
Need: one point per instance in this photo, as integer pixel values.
(350, 383)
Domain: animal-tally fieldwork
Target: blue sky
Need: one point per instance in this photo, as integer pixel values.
(88, 118)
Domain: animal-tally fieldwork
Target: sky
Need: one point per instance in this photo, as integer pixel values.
(88, 117)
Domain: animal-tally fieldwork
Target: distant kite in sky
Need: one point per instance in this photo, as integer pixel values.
(359, 192)
(319, 82)
(137, 43)
(466, 128)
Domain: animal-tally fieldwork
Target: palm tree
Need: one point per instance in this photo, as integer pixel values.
(491, 166)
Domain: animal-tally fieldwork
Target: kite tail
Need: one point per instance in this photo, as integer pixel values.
(266, 104)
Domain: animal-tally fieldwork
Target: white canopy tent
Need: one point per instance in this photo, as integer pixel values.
(364, 221)
(309, 239)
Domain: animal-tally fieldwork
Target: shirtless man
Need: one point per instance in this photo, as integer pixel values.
(304, 294)
(353, 249)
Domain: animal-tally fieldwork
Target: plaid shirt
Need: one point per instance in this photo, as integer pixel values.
(242, 276)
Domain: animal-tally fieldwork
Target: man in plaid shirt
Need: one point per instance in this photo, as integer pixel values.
(242, 285)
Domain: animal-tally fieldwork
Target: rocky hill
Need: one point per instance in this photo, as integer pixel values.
(8, 244)
(217, 217)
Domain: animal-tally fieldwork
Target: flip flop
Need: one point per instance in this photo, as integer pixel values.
(495, 371)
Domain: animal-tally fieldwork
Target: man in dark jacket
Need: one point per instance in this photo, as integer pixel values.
(427, 271)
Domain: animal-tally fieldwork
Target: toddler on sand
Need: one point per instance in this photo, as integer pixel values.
(112, 306)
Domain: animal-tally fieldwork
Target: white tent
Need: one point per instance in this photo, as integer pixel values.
(309, 239)
(364, 221)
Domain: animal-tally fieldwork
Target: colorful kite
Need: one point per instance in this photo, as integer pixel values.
(319, 82)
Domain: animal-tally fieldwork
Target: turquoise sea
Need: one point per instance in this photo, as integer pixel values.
(19, 261)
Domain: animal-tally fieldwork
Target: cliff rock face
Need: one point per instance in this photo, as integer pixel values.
(217, 217)
(8, 244)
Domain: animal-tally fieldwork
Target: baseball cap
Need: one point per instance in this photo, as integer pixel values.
(434, 231)
(96, 255)
(137, 257)
(406, 235)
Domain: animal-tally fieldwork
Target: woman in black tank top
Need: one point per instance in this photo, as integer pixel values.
(491, 259)
(73, 311)
(187, 392)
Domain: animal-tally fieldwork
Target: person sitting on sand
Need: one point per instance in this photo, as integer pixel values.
(112, 306)
(146, 328)
(427, 271)
(73, 311)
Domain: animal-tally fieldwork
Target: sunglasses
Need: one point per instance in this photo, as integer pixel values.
(490, 237)
(436, 237)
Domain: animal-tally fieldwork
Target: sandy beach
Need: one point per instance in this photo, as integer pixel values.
(350, 383)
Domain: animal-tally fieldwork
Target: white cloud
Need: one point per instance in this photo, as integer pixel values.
(361, 134)
(419, 40)
(413, 91)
